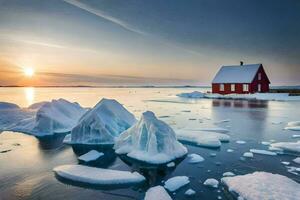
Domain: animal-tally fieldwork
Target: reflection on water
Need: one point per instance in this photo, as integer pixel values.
(240, 103)
(30, 95)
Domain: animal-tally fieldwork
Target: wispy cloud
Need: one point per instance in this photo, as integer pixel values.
(104, 16)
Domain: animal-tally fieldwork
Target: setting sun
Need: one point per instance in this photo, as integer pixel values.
(29, 72)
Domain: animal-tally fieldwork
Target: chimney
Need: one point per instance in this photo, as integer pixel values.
(241, 63)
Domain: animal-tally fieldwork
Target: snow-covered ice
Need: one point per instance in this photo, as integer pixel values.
(97, 176)
(150, 140)
(293, 126)
(248, 154)
(171, 164)
(262, 185)
(195, 158)
(297, 160)
(285, 163)
(190, 192)
(176, 182)
(7, 106)
(102, 124)
(157, 193)
(227, 174)
(90, 156)
(264, 152)
(211, 182)
(287, 146)
(201, 138)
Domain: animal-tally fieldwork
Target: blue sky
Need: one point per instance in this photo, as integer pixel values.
(137, 42)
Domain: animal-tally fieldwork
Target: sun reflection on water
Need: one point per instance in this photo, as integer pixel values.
(30, 95)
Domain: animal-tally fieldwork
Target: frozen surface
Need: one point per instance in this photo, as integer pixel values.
(264, 152)
(150, 140)
(102, 124)
(97, 176)
(176, 182)
(297, 160)
(202, 138)
(157, 193)
(255, 96)
(90, 156)
(7, 106)
(262, 185)
(52, 117)
(211, 182)
(195, 158)
(287, 146)
(194, 94)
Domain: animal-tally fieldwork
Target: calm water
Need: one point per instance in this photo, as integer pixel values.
(26, 170)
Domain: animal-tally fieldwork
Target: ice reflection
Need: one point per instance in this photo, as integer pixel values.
(30, 95)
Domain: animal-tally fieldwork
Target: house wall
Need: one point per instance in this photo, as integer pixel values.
(253, 87)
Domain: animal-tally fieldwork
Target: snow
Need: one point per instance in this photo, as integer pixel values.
(262, 185)
(297, 160)
(102, 124)
(287, 146)
(157, 193)
(52, 117)
(97, 176)
(211, 182)
(236, 74)
(255, 96)
(293, 126)
(37, 105)
(264, 152)
(190, 192)
(7, 106)
(227, 174)
(248, 155)
(194, 94)
(150, 140)
(201, 138)
(240, 142)
(90, 156)
(176, 182)
(195, 158)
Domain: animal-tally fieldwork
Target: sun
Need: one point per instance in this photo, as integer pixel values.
(29, 72)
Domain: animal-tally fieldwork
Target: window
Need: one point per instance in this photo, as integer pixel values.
(221, 87)
(259, 88)
(232, 87)
(259, 76)
(245, 87)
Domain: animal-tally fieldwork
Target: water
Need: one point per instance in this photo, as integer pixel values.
(26, 170)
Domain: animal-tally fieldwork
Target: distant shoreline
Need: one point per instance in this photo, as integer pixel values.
(86, 86)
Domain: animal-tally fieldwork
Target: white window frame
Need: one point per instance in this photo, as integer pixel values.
(245, 87)
(259, 87)
(232, 87)
(259, 76)
(222, 87)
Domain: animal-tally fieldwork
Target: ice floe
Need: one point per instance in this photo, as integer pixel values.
(201, 138)
(293, 126)
(190, 192)
(171, 164)
(263, 152)
(228, 174)
(97, 176)
(150, 140)
(176, 182)
(240, 142)
(297, 160)
(194, 94)
(195, 158)
(90, 156)
(211, 182)
(102, 124)
(157, 193)
(262, 185)
(287, 146)
(248, 154)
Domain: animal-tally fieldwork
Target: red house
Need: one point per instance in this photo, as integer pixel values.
(241, 79)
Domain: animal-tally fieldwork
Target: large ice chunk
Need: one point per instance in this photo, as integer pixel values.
(157, 193)
(263, 185)
(176, 182)
(97, 176)
(293, 126)
(6, 105)
(287, 146)
(102, 124)
(150, 140)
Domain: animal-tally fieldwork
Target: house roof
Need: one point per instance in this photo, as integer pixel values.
(236, 74)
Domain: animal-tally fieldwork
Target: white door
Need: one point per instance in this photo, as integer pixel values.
(259, 88)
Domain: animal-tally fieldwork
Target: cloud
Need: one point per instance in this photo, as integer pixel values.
(103, 15)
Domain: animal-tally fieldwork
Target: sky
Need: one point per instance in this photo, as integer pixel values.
(136, 42)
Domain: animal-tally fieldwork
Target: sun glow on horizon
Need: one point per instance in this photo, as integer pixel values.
(28, 71)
